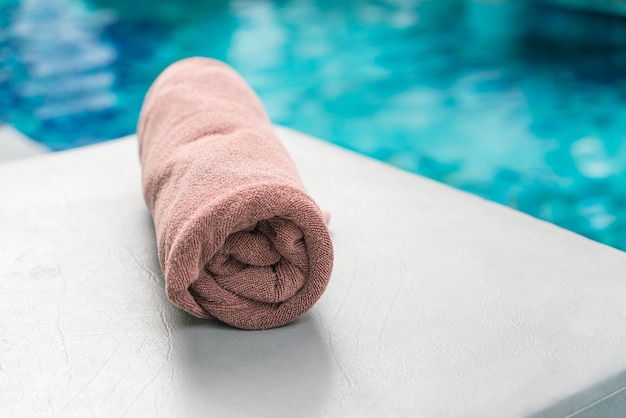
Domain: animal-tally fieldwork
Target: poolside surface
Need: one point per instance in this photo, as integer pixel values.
(440, 304)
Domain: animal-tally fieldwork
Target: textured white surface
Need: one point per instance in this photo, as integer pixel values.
(441, 304)
(14, 145)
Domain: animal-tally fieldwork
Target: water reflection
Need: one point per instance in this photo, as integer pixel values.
(76, 72)
(60, 68)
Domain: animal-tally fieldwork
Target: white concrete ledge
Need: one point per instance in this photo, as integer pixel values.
(14, 145)
(441, 304)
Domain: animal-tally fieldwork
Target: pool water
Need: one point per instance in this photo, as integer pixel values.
(516, 101)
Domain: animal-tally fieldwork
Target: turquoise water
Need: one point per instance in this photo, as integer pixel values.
(521, 103)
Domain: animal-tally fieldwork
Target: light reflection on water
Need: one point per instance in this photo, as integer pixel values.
(520, 104)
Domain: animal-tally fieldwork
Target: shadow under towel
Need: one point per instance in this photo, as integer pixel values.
(239, 238)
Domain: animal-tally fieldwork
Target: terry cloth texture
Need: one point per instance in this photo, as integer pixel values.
(238, 237)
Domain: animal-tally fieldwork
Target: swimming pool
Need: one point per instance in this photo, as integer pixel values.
(521, 103)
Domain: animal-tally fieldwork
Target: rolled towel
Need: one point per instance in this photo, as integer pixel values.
(239, 239)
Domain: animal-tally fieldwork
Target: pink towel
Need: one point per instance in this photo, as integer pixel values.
(239, 238)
